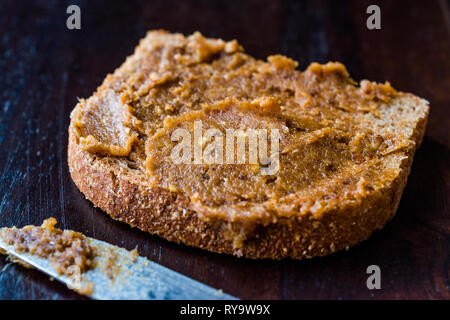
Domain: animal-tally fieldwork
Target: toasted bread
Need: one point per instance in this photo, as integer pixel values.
(344, 155)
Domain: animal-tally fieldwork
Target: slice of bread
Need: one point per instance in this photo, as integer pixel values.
(343, 154)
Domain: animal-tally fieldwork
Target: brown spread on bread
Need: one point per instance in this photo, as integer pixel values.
(330, 139)
(345, 148)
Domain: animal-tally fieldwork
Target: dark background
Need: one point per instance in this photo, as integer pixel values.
(44, 67)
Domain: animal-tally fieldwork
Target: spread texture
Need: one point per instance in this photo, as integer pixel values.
(340, 143)
(63, 248)
(331, 143)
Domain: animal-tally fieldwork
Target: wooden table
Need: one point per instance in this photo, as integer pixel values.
(44, 67)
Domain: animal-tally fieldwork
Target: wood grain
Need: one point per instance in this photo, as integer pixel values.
(44, 67)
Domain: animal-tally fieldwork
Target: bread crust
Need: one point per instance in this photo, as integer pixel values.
(127, 196)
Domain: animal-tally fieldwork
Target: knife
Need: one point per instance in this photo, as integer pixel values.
(126, 276)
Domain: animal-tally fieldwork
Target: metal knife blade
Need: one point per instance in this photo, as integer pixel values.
(122, 275)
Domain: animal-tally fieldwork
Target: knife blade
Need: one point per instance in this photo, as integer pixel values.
(123, 275)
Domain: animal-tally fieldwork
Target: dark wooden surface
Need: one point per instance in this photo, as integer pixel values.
(44, 67)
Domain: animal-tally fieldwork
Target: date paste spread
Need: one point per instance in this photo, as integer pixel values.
(63, 248)
(332, 145)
